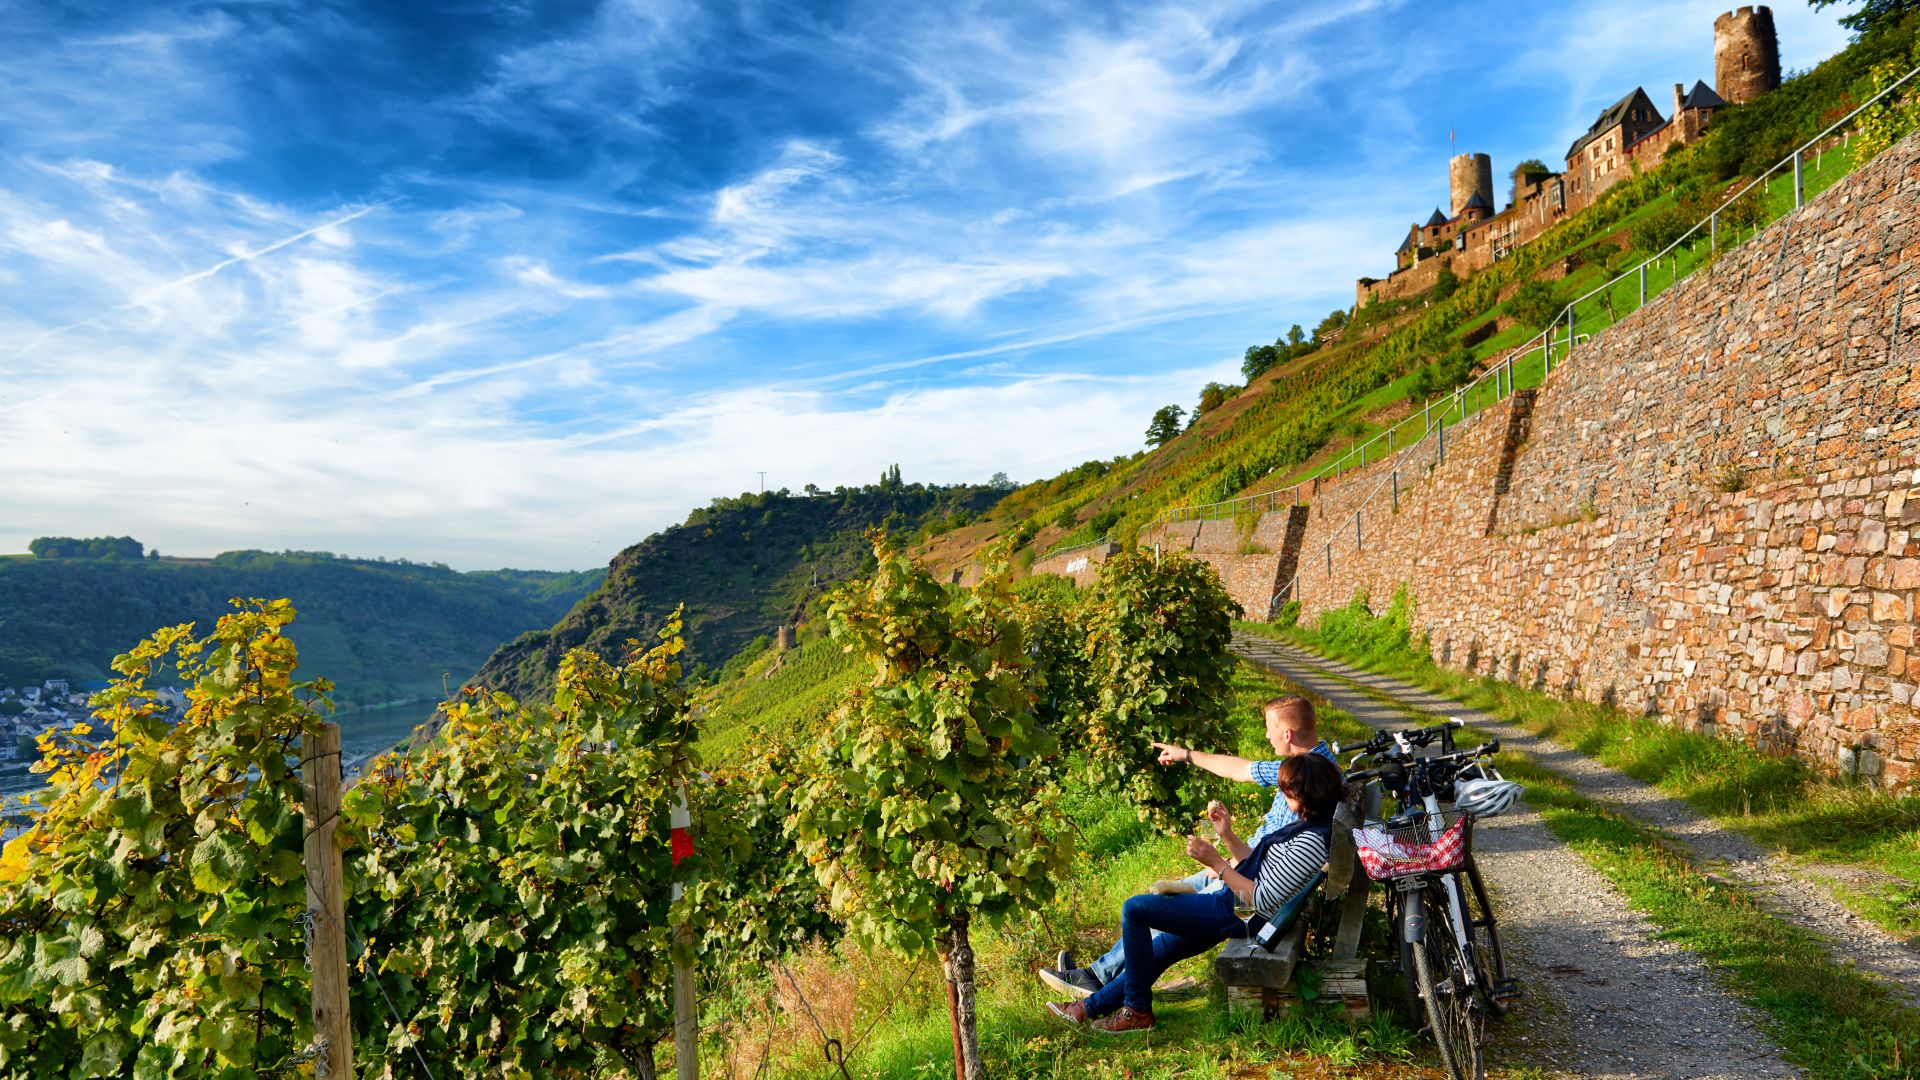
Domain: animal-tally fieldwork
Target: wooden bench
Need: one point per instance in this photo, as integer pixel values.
(1257, 979)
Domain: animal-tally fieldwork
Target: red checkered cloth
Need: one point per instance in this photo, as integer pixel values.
(1391, 853)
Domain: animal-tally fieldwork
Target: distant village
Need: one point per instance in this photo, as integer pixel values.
(27, 712)
(1630, 136)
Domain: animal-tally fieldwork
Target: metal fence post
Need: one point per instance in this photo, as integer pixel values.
(1329, 560)
(1443, 438)
(326, 899)
(1713, 239)
(1396, 491)
(1799, 183)
(1643, 284)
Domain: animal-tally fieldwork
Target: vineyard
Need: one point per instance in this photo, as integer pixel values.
(515, 903)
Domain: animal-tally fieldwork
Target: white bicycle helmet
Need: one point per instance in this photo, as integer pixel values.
(1486, 798)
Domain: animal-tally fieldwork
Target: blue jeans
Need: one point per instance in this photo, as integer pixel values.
(1188, 925)
(1109, 966)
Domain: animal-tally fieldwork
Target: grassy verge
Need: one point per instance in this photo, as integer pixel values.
(1827, 1017)
(1866, 840)
(890, 1014)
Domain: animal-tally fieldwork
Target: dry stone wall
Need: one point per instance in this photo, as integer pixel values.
(1710, 513)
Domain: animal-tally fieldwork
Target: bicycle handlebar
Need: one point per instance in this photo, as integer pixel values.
(1382, 738)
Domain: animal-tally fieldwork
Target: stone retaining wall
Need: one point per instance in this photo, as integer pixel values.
(1711, 512)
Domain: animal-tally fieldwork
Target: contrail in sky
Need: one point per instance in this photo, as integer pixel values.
(200, 275)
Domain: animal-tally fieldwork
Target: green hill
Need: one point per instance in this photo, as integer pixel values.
(382, 630)
(742, 567)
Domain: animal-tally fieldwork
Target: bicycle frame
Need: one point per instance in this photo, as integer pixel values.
(1456, 898)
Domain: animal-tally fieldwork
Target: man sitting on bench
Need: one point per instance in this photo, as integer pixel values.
(1160, 931)
(1292, 729)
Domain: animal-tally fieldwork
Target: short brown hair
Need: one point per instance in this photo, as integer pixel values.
(1305, 722)
(1314, 782)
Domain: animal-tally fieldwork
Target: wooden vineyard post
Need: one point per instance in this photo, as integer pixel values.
(686, 1019)
(326, 901)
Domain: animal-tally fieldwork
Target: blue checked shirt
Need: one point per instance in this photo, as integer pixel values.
(1280, 815)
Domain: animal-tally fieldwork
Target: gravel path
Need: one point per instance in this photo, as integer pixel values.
(1608, 999)
(1774, 880)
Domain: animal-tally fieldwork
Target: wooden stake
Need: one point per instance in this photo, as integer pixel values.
(326, 899)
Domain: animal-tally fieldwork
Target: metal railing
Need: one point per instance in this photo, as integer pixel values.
(1053, 551)
(1560, 336)
(1500, 379)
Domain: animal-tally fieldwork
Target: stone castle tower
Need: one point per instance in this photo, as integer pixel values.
(1467, 175)
(1746, 54)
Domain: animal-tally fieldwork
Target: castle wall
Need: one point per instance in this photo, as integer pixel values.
(1711, 512)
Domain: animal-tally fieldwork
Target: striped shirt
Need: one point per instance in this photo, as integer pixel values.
(1267, 774)
(1287, 869)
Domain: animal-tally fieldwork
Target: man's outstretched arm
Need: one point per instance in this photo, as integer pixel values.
(1227, 765)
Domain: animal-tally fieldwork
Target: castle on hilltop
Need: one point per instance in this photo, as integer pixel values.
(1629, 136)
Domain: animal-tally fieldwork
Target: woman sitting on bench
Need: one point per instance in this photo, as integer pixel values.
(1282, 864)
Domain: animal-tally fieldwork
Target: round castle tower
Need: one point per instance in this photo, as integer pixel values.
(1746, 54)
(1466, 175)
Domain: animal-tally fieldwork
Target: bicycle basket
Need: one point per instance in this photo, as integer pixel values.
(1401, 848)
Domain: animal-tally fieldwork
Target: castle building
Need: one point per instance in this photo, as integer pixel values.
(1628, 137)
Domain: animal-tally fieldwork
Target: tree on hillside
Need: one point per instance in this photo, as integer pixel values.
(1330, 326)
(1001, 482)
(1212, 396)
(1872, 15)
(1445, 282)
(1536, 303)
(1165, 424)
(1296, 337)
(1258, 359)
(931, 805)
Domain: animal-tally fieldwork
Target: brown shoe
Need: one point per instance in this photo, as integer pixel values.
(1069, 1012)
(1124, 1022)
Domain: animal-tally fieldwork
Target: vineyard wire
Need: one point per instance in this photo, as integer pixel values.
(830, 1046)
(360, 950)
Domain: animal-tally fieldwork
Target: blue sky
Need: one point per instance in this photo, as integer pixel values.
(517, 284)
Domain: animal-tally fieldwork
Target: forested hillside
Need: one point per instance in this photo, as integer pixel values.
(742, 567)
(382, 630)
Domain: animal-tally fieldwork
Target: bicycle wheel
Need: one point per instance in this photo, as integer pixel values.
(1490, 963)
(1454, 1017)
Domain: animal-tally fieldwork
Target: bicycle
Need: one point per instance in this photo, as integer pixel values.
(1425, 853)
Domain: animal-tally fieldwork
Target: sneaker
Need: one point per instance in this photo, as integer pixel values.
(1125, 1022)
(1076, 983)
(1068, 1012)
(1063, 961)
